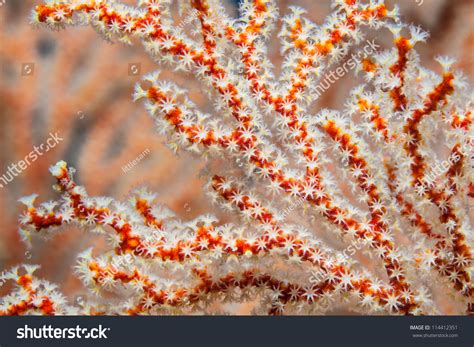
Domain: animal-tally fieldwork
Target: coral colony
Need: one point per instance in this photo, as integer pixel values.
(356, 175)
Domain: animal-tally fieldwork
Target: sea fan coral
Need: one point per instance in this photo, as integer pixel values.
(387, 178)
(101, 129)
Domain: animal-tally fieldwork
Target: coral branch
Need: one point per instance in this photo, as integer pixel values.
(404, 138)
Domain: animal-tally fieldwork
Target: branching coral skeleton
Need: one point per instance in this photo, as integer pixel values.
(384, 135)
